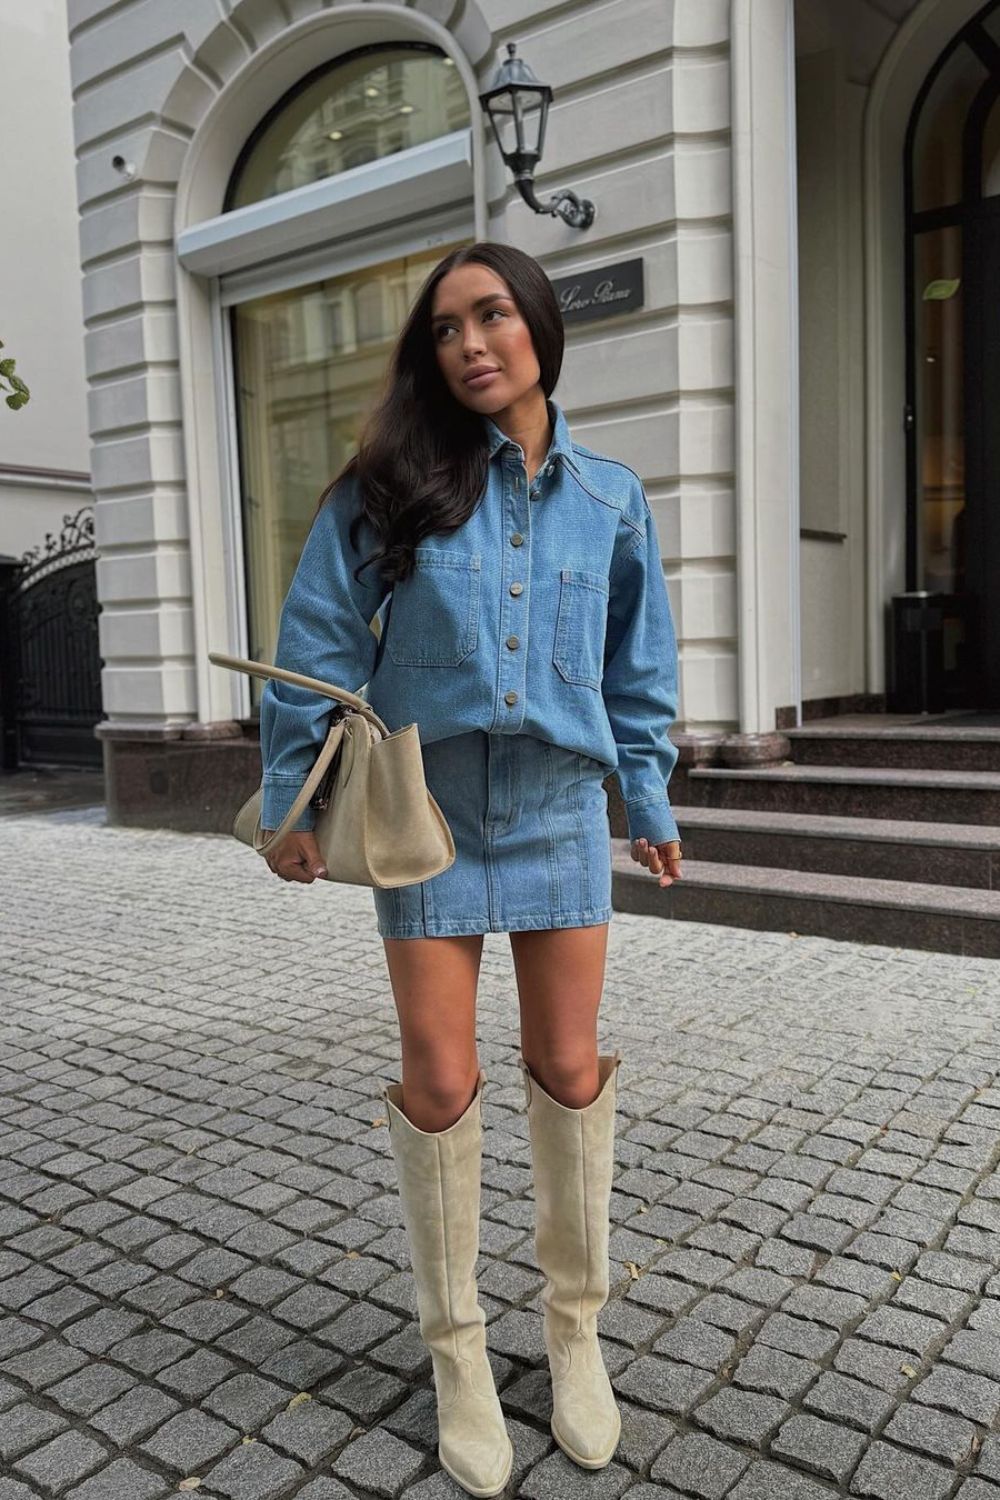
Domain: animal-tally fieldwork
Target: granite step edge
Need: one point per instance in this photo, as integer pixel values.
(873, 776)
(833, 826)
(762, 880)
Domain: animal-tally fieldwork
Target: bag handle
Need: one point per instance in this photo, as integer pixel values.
(298, 679)
(330, 745)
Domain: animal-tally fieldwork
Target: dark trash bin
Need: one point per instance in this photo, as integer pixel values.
(929, 662)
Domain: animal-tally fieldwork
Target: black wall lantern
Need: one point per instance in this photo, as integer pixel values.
(518, 105)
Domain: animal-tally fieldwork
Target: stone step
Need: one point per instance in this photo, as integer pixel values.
(899, 913)
(930, 796)
(957, 854)
(938, 742)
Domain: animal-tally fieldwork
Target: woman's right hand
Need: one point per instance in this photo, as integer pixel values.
(296, 857)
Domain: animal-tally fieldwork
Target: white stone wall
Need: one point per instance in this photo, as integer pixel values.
(44, 447)
(640, 124)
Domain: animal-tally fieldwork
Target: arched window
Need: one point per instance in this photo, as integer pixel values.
(360, 108)
(952, 186)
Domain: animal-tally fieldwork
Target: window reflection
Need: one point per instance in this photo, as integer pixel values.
(308, 364)
(940, 415)
(368, 106)
(937, 160)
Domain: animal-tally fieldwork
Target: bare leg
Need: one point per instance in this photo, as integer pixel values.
(560, 979)
(434, 982)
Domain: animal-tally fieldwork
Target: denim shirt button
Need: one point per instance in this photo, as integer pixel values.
(517, 588)
(513, 642)
(516, 539)
(510, 697)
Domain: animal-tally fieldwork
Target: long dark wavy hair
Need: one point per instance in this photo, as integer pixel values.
(422, 459)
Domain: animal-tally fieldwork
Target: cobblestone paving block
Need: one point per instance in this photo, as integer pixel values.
(60, 1462)
(698, 1465)
(13, 1489)
(742, 1416)
(935, 1433)
(309, 1432)
(189, 1440)
(901, 1329)
(979, 1352)
(137, 1413)
(27, 1426)
(91, 1388)
(888, 1473)
(774, 1372)
(960, 1391)
(938, 1301)
(379, 1461)
(839, 1398)
(664, 1383)
(952, 1270)
(253, 1471)
(978, 1489)
(121, 1480)
(766, 1480)
(988, 1462)
(825, 1448)
(729, 1313)
(796, 1336)
(696, 1343)
(877, 1364)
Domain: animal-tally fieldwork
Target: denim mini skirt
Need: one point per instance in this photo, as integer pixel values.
(532, 841)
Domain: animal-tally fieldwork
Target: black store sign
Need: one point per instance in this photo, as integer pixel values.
(604, 292)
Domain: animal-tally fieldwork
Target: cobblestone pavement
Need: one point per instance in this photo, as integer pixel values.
(204, 1282)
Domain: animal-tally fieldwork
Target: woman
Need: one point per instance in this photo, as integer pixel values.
(532, 641)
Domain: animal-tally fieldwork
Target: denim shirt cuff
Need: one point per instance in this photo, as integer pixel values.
(276, 802)
(651, 818)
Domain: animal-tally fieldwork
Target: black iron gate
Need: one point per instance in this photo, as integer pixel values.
(50, 664)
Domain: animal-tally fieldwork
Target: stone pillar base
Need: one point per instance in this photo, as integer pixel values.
(753, 749)
(190, 777)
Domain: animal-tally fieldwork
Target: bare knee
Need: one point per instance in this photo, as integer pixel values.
(436, 1093)
(570, 1078)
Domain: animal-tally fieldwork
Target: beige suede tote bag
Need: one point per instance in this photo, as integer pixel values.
(376, 821)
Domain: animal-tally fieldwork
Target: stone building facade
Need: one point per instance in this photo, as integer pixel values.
(244, 268)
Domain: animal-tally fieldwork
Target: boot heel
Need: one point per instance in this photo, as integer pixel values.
(439, 1177)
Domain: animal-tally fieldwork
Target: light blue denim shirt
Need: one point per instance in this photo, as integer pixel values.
(545, 613)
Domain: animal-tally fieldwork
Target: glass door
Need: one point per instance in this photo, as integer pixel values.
(307, 365)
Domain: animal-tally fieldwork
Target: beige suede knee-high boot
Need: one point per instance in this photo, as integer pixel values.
(439, 1173)
(572, 1154)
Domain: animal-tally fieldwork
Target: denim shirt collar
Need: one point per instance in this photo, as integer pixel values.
(561, 445)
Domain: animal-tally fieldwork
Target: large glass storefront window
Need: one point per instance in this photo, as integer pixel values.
(307, 365)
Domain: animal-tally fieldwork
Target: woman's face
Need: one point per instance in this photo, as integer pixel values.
(476, 324)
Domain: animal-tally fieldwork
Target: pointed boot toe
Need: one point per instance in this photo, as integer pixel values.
(474, 1446)
(586, 1422)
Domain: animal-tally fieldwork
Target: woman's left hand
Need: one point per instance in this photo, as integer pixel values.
(662, 859)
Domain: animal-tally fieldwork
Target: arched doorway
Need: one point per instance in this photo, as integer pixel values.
(952, 206)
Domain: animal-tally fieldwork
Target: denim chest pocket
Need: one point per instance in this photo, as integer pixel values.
(434, 619)
(581, 626)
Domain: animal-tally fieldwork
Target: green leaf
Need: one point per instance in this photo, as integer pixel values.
(941, 291)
